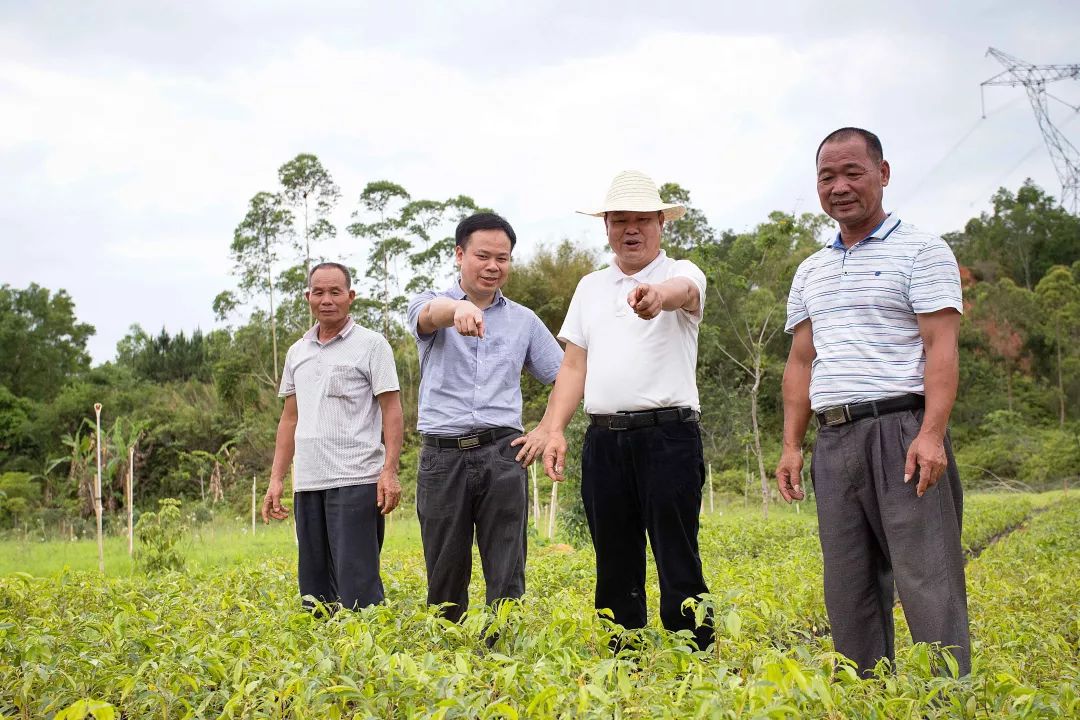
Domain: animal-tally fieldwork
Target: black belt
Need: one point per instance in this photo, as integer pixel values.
(843, 414)
(468, 442)
(644, 418)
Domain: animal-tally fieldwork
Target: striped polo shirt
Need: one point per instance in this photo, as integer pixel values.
(339, 426)
(862, 302)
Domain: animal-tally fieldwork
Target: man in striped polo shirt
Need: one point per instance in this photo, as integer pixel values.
(342, 421)
(875, 318)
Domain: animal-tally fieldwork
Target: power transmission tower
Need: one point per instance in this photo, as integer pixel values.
(1034, 79)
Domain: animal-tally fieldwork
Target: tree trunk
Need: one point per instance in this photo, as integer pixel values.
(757, 432)
(1061, 383)
(1008, 384)
(273, 321)
(386, 297)
(307, 258)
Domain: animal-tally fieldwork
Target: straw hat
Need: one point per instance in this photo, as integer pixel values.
(634, 191)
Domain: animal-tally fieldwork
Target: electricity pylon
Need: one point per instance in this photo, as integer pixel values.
(1034, 79)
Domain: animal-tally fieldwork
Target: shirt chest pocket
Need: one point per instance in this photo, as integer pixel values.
(346, 382)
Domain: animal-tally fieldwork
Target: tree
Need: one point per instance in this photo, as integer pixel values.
(1026, 234)
(254, 250)
(748, 298)
(1003, 314)
(42, 344)
(691, 230)
(1058, 297)
(388, 244)
(307, 185)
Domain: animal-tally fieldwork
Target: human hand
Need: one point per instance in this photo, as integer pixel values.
(469, 319)
(789, 475)
(555, 455)
(272, 507)
(646, 301)
(387, 491)
(926, 455)
(532, 445)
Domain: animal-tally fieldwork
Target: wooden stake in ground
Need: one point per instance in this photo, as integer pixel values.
(536, 497)
(712, 507)
(253, 480)
(97, 494)
(130, 501)
(553, 509)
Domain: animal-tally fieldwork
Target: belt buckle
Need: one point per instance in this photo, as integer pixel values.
(619, 422)
(836, 415)
(468, 442)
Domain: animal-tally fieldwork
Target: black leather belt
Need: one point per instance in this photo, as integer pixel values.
(644, 418)
(468, 442)
(843, 414)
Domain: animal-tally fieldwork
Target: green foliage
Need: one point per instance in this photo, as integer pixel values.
(41, 343)
(158, 534)
(164, 358)
(234, 642)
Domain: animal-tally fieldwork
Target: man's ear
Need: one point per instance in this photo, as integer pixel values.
(885, 173)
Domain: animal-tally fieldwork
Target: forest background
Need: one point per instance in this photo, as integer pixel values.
(199, 410)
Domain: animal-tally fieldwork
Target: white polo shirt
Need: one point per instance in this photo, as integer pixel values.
(339, 428)
(863, 304)
(635, 364)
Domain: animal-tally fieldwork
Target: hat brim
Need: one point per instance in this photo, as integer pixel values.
(671, 212)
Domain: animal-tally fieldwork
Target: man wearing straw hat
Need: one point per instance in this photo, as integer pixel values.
(631, 336)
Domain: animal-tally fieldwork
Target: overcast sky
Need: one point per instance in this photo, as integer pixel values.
(133, 134)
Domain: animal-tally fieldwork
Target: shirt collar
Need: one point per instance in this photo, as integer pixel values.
(457, 293)
(882, 231)
(313, 333)
(618, 274)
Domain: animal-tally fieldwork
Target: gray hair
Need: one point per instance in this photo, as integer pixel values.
(331, 265)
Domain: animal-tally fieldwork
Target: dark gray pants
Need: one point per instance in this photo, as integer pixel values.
(340, 534)
(457, 490)
(875, 530)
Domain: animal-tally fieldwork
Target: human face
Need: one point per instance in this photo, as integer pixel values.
(634, 237)
(850, 185)
(328, 297)
(484, 263)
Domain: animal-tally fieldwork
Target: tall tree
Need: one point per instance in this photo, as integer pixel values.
(255, 246)
(691, 230)
(41, 342)
(389, 243)
(748, 298)
(1058, 297)
(306, 185)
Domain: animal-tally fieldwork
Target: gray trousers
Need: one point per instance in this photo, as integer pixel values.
(875, 531)
(340, 534)
(459, 490)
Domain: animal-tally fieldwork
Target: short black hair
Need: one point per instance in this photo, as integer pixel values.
(482, 221)
(331, 265)
(873, 143)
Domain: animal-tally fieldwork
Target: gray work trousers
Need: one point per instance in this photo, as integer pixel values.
(875, 531)
(459, 490)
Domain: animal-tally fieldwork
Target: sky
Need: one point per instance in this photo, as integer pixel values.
(133, 134)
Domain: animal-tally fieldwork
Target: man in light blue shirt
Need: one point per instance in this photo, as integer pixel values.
(473, 343)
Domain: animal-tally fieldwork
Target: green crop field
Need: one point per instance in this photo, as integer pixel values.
(227, 638)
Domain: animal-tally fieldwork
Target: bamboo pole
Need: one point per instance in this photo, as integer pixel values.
(712, 506)
(97, 493)
(554, 508)
(130, 500)
(536, 497)
(253, 480)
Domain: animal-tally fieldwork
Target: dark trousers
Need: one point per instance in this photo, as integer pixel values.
(875, 530)
(459, 490)
(340, 535)
(634, 483)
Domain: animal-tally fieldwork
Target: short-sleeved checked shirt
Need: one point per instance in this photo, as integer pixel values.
(469, 383)
(862, 303)
(339, 427)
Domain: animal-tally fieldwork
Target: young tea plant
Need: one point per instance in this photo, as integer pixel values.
(158, 534)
